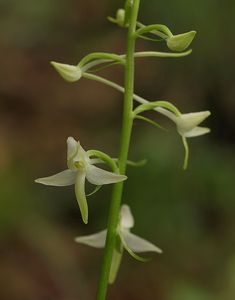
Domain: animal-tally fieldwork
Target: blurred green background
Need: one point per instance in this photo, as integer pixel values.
(190, 215)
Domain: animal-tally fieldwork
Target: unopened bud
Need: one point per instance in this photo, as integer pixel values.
(120, 17)
(68, 72)
(180, 42)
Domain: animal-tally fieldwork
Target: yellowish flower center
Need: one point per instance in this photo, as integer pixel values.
(79, 165)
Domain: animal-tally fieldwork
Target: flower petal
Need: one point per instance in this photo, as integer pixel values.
(197, 131)
(137, 244)
(187, 122)
(71, 147)
(81, 154)
(96, 240)
(99, 176)
(66, 177)
(129, 250)
(80, 195)
(126, 220)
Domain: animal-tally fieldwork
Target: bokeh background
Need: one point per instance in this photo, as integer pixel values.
(190, 215)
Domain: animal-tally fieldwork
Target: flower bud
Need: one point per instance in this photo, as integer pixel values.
(68, 72)
(180, 42)
(120, 17)
(187, 122)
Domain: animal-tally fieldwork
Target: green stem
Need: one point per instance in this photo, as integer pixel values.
(124, 149)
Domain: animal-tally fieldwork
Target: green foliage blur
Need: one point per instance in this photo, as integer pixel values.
(189, 214)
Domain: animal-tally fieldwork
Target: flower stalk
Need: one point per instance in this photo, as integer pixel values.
(124, 149)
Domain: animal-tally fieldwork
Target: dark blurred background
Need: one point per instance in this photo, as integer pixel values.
(190, 215)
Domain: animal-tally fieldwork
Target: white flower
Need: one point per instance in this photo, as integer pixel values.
(80, 167)
(125, 239)
(187, 126)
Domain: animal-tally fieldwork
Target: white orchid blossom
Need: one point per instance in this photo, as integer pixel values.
(187, 126)
(80, 167)
(124, 240)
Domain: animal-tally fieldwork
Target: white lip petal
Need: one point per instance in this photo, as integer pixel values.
(187, 122)
(64, 178)
(197, 131)
(126, 220)
(96, 240)
(80, 195)
(99, 176)
(137, 244)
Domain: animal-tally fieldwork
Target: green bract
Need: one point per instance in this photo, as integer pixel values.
(124, 240)
(180, 42)
(157, 29)
(80, 167)
(157, 105)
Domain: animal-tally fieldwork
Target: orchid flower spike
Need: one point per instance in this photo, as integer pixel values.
(187, 126)
(124, 240)
(80, 167)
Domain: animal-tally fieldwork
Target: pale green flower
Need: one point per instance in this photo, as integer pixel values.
(68, 72)
(80, 167)
(180, 42)
(124, 240)
(187, 126)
